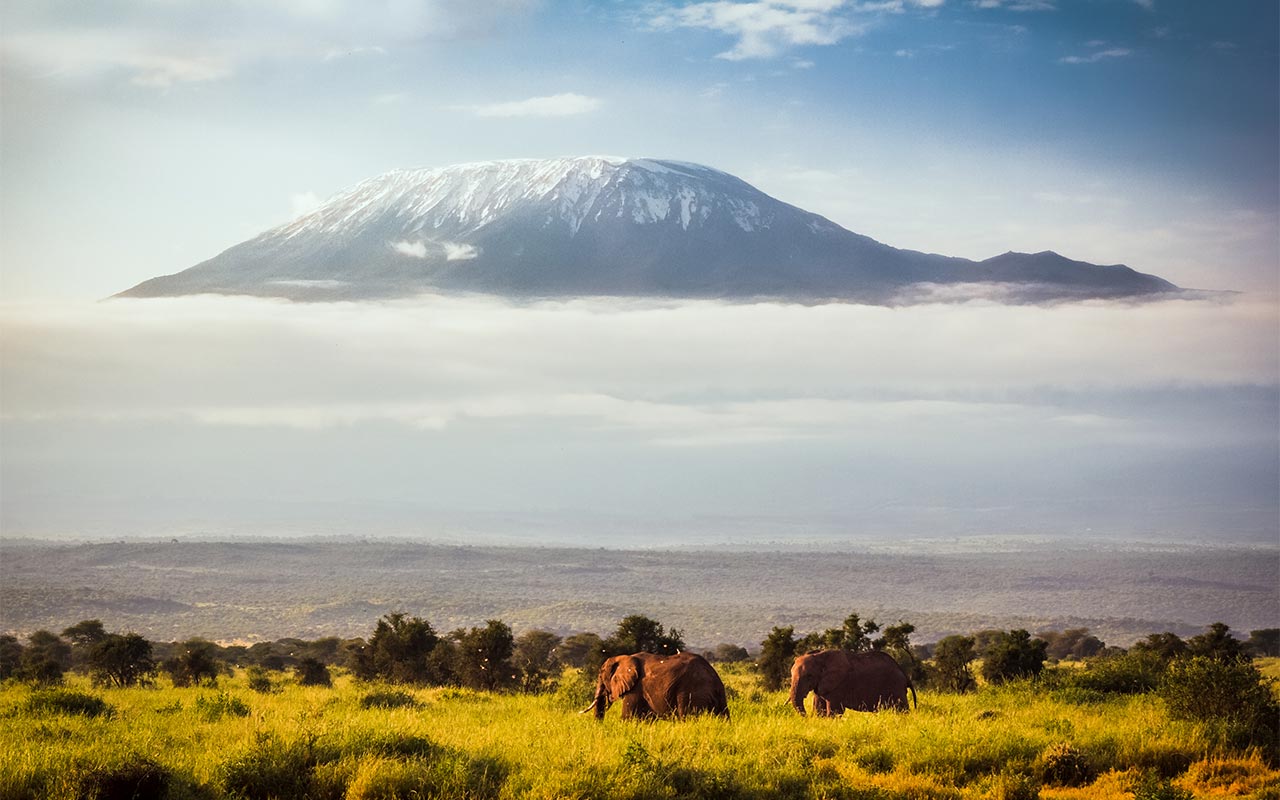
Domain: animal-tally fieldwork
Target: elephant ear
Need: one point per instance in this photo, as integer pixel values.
(625, 677)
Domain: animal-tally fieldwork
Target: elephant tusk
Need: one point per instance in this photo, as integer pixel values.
(588, 709)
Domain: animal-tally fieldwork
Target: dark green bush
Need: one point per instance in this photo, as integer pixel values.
(1135, 672)
(260, 681)
(136, 778)
(1230, 692)
(389, 699)
(65, 701)
(270, 769)
(311, 672)
(213, 707)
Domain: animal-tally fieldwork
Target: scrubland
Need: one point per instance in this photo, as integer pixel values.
(362, 740)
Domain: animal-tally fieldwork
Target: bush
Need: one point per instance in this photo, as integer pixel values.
(269, 769)
(390, 699)
(214, 707)
(65, 701)
(1207, 689)
(260, 681)
(1013, 655)
(950, 669)
(1063, 765)
(311, 672)
(1135, 672)
(136, 778)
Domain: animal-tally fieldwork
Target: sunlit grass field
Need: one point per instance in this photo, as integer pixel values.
(1010, 742)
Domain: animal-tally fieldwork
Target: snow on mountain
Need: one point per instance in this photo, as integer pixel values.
(597, 226)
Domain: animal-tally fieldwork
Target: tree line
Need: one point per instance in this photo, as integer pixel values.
(408, 649)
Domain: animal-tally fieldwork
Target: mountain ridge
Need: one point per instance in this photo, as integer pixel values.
(600, 225)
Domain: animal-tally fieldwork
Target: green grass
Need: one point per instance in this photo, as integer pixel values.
(328, 743)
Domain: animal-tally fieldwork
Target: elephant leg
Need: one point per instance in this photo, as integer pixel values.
(634, 707)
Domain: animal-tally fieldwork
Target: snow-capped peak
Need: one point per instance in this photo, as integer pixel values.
(461, 199)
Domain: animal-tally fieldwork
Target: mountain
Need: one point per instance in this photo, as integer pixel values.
(601, 226)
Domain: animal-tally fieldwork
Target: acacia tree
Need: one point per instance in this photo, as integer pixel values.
(399, 651)
(777, 652)
(1014, 655)
(312, 672)
(196, 662)
(1217, 643)
(483, 656)
(45, 658)
(638, 633)
(121, 660)
(951, 658)
(854, 635)
(536, 658)
(10, 656)
(896, 641)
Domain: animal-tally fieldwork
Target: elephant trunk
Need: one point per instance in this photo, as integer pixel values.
(600, 703)
(800, 688)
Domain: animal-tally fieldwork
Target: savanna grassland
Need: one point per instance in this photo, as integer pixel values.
(367, 740)
(256, 590)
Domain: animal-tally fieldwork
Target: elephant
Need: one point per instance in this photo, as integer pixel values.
(651, 686)
(841, 680)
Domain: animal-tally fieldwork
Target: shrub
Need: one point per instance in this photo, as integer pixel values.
(777, 652)
(213, 707)
(269, 769)
(194, 664)
(311, 672)
(1135, 672)
(388, 699)
(65, 701)
(260, 681)
(1207, 689)
(1063, 765)
(1013, 655)
(136, 778)
(950, 670)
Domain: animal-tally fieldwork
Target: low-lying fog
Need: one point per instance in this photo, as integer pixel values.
(674, 422)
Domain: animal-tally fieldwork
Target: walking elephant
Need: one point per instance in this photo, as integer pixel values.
(650, 686)
(841, 681)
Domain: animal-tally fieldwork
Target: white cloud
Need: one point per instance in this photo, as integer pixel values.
(661, 372)
(161, 45)
(763, 29)
(1017, 5)
(411, 249)
(303, 203)
(1093, 58)
(905, 53)
(459, 252)
(557, 105)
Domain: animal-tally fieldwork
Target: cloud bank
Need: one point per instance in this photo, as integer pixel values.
(933, 419)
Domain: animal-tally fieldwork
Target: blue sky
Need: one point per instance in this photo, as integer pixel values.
(140, 137)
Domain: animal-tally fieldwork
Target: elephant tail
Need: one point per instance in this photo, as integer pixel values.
(914, 702)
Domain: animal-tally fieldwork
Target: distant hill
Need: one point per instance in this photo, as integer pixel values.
(602, 226)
